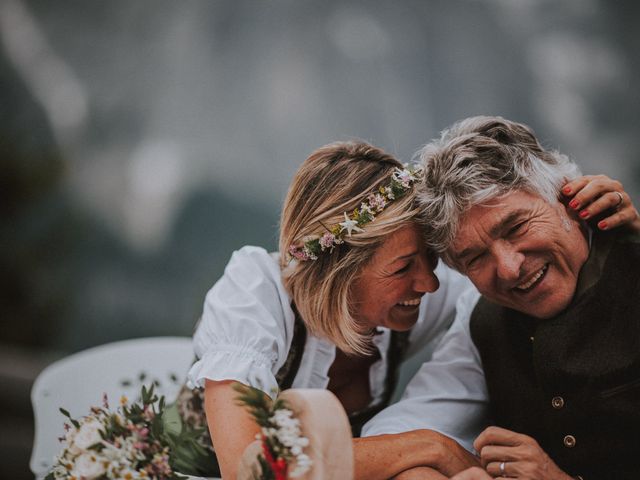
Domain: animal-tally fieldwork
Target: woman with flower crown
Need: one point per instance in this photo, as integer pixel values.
(351, 294)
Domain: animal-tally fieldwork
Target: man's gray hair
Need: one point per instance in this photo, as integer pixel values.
(477, 160)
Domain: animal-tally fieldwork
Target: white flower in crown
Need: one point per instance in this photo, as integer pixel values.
(388, 191)
(309, 253)
(366, 208)
(349, 225)
(404, 176)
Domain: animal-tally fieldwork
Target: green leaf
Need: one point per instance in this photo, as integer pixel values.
(171, 420)
(68, 415)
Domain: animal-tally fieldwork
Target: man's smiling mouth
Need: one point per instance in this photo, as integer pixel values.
(533, 281)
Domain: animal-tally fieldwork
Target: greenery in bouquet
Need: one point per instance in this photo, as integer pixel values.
(281, 438)
(135, 441)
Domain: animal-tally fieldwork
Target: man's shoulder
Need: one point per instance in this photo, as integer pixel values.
(485, 311)
(486, 320)
(630, 237)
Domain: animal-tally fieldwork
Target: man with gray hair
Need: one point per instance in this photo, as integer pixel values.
(549, 349)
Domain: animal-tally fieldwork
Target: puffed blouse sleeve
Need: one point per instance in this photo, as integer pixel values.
(247, 324)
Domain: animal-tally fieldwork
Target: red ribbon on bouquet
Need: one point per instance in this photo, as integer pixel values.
(278, 466)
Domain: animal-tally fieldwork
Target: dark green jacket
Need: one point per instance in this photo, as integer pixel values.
(573, 381)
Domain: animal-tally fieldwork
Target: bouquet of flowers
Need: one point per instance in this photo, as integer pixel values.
(282, 443)
(135, 441)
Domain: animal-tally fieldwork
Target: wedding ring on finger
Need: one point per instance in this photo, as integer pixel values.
(620, 200)
(502, 468)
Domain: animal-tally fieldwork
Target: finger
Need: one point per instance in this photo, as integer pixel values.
(622, 217)
(498, 436)
(498, 469)
(494, 453)
(596, 186)
(608, 201)
(570, 188)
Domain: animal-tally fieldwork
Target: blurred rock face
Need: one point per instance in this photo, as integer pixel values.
(142, 142)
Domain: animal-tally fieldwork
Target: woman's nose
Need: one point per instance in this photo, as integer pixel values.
(425, 279)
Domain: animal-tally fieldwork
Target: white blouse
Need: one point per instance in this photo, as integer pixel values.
(246, 328)
(448, 394)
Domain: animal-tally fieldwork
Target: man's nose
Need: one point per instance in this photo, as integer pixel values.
(425, 279)
(508, 261)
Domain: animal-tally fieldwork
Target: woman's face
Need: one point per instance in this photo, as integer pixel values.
(389, 289)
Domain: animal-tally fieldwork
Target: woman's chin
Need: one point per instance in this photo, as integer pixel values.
(403, 317)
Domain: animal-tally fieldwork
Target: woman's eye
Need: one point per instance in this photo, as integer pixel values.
(403, 269)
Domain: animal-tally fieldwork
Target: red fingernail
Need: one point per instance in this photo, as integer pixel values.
(603, 225)
(584, 214)
(574, 204)
(567, 190)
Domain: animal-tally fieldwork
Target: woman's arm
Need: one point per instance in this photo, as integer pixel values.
(420, 473)
(385, 456)
(231, 426)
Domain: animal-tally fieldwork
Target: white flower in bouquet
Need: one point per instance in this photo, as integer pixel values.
(88, 434)
(88, 466)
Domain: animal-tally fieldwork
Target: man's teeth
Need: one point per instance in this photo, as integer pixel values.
(534, 279)
(410, 303)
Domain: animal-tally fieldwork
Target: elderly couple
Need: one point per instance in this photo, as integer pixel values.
(538, 376)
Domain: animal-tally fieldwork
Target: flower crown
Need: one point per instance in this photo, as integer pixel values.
(402, 180)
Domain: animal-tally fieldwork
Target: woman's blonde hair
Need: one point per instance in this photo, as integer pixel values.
(336, 179)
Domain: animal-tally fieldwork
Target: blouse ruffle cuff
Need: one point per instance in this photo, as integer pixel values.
(248, 367)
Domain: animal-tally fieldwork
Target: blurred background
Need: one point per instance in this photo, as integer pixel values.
(142, 142)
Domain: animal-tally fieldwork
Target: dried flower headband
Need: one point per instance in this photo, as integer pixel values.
(402, 180)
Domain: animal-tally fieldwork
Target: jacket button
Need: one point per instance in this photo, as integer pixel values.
(569, 441)
(557, 402)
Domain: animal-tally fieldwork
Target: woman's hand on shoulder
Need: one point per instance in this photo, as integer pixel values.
(592, 196)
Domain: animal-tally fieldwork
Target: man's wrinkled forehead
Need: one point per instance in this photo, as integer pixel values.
(502, 218)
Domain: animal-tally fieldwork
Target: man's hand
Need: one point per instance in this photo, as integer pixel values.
(504, 453)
